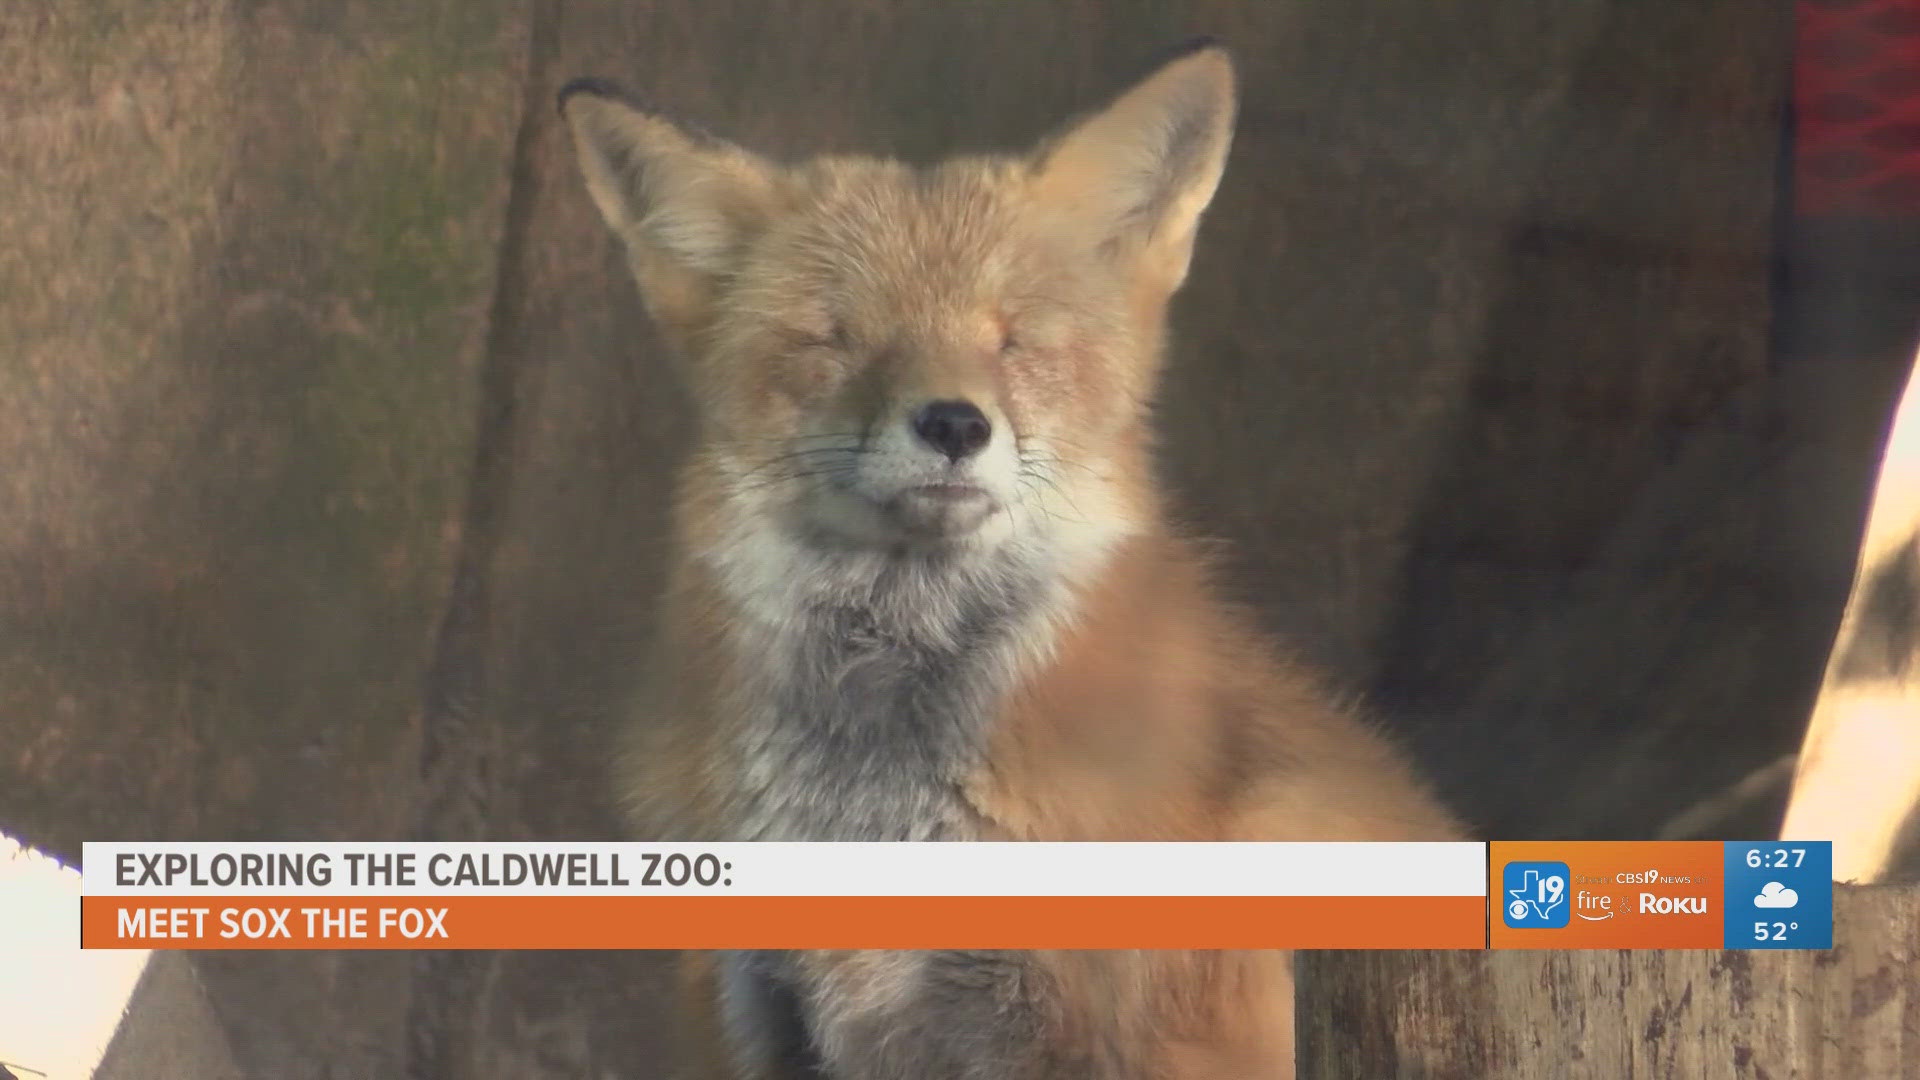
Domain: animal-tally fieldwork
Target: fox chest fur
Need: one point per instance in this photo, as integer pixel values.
(861, 714)
(858, 706)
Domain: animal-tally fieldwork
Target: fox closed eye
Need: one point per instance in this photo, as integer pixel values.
(833, 339)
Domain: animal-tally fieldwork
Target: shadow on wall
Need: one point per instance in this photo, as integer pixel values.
(1629, 567)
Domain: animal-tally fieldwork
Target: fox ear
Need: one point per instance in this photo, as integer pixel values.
(1138, 174)
(684, 203)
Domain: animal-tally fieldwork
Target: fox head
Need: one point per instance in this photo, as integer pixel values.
(897, 359)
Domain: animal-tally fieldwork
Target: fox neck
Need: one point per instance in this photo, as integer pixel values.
(869, 681)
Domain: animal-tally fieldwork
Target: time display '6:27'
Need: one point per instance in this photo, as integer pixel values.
(1779, 896)
(1777, 859)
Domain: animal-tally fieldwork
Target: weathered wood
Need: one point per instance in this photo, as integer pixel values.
(1852, 1012)
(1858, 782)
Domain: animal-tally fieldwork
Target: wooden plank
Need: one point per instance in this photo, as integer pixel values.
(1850, 1012)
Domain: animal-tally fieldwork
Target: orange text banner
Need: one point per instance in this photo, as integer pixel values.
(784, 922)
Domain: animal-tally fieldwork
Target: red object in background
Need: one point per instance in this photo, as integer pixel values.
(1857, 103)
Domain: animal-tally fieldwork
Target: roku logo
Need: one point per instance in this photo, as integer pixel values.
(1672, 905)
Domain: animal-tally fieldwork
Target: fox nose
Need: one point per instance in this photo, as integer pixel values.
(955, 428)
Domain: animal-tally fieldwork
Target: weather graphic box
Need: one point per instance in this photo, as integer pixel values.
(1779, 894)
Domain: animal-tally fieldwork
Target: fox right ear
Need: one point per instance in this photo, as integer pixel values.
(1137, 175)
(685, 204)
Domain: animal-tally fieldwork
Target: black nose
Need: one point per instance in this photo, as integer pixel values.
(955, 428)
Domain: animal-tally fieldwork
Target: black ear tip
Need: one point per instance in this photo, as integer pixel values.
(594, 86)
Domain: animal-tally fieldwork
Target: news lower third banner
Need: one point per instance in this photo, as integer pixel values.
(784, 896)
(965, 895)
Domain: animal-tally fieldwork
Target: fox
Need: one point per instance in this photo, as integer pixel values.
(924, 586)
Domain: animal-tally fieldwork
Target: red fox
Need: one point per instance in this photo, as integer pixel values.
(924, 588)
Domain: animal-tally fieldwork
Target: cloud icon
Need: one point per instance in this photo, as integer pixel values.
(1775, 895)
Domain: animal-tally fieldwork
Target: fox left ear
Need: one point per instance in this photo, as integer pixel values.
(1139, 173)
(686, 204)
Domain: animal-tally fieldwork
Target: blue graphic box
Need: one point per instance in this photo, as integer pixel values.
(1779, 894)
(1534, 895)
